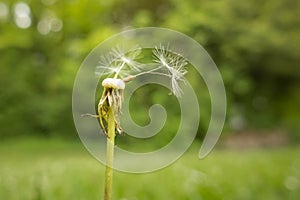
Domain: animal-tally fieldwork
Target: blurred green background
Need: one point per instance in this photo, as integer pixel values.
(255, 45)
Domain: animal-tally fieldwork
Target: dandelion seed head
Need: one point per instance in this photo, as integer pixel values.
(113, 83)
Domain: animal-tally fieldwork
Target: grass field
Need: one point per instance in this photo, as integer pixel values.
(38, 169)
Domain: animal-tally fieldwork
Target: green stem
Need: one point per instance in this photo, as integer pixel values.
(109, 155)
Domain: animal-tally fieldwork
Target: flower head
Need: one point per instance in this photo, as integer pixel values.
(112, 98)
(121, 67)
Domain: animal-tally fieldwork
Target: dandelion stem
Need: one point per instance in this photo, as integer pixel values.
(109, 155)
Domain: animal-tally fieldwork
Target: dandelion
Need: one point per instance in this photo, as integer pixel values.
(121, 67)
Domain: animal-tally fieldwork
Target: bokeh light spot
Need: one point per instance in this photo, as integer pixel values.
(22, 15)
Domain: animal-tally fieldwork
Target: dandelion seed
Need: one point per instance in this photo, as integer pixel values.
(119, 62)
(175, 65)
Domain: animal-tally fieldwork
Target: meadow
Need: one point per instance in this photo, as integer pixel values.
(40, 169)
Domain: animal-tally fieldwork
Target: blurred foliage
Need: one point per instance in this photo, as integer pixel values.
(255, 44)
